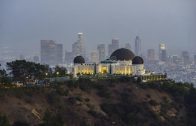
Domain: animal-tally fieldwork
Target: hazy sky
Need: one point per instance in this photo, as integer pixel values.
(23, 23)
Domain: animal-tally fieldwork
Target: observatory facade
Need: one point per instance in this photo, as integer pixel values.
(121, 62)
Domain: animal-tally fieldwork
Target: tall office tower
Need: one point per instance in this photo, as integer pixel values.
(82, 46)
(113, 46)
(128, 46)
(59, 53)
(138, 50)
(78, 47)
(94, 57)
(101, 51)
(195, 59)
(175, 59)
(151, 55)
(185, 57)
(69, 57)
(51, 53)
(110, 50)
(162, 52)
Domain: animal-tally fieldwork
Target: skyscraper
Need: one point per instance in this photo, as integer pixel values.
(78, 47)
(68, 57)
(138, 50)
(195, 59)
(175, 59)
(151, 55)
(59, 53)
(101, 51)
(94, 57)
(110, 49)
(51, 53)
(162, 52)
(185, 57)
(128, 46)
(113, 46)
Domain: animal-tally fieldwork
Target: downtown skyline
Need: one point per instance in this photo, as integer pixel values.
(132, 46)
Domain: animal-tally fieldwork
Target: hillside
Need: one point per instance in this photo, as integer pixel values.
(100, 103)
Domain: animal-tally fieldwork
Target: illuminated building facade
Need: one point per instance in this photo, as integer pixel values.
(121, 62)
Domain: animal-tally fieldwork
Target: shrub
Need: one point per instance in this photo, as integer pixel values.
(104, 93)
(124, 79)
(53, 98)
(18, 123)
(52, 120)
(85, 86)
(4, 121)
(153, 103)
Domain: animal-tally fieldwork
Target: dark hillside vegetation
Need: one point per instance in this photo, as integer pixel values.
(112, 102)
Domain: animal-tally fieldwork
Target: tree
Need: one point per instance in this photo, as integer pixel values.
(22, 70)
(60, 71)
(4, 79)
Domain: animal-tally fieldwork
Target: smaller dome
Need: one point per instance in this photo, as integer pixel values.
(79, 60)
(137, 60)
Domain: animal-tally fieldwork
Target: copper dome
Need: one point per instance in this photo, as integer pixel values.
(122, 54)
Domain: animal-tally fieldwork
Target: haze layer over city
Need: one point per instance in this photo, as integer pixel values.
(25, 22)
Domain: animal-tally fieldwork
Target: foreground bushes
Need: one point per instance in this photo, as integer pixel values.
(4, 121)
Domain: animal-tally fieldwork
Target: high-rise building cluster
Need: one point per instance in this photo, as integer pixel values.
(50, 55)
(180, 68)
